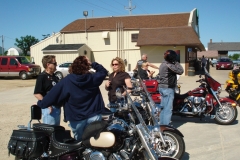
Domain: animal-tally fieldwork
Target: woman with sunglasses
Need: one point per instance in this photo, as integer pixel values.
(117, 79)
(44, 83)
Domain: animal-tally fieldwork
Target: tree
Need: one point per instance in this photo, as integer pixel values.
(45, 36)
(235, 56)
(24, 43)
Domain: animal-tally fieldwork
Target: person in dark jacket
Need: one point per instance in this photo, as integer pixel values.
(79, 92)
(168, 71)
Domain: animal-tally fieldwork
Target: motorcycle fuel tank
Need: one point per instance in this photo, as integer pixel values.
(198, 92)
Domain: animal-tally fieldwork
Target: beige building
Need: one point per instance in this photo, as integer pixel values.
(102, 39)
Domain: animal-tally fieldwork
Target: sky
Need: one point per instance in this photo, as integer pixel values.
(218, 19)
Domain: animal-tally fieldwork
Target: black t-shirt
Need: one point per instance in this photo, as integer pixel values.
(116, 82)
(139, 65)
(44, 83)
(143, 74)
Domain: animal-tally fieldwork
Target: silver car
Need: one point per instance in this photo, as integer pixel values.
(62, 69)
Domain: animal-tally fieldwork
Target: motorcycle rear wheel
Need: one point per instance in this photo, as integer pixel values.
(175, 145)
(226, 116)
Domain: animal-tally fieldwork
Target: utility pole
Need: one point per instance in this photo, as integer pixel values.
(130, 7)
(2, 46)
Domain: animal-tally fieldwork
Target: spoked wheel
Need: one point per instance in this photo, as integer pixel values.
(175, 145)
(226, 115)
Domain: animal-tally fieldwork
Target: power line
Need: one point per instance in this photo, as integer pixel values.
(140, 7)
(97, 6)
(109, 5)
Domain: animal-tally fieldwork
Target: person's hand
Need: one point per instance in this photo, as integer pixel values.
(50, 109)
(108, 83)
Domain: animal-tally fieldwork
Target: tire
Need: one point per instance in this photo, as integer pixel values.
(175, 145)
(59, 75)
(227, 116)
(23, 75)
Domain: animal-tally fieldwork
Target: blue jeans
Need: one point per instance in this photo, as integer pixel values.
(79, 126)
(52, 118)
(167, 96)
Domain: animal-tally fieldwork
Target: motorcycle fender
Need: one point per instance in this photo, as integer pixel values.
(164, 128)
(105, 140)
(226, 99)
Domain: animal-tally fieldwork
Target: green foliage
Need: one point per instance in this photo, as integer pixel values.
(235, 56)
(25, 43)
(45, 36)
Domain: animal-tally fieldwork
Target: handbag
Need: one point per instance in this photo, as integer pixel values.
(27, 143)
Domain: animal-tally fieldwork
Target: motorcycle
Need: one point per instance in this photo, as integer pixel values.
(204, 101)
(170, 142)
(232, 85)
(112, 139)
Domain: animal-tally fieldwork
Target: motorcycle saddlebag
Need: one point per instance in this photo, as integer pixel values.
(27, 143)
(151, 85)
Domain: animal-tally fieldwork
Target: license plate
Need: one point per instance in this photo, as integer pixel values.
(222, 66)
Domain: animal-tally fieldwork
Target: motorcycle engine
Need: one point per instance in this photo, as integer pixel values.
(96, 155)
(197, 104)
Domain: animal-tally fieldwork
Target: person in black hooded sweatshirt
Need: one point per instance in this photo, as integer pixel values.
(79, 92)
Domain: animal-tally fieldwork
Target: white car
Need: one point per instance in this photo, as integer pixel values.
(62, 69)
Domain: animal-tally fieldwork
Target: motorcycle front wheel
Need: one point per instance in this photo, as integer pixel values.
(175, 145)
(226, 115)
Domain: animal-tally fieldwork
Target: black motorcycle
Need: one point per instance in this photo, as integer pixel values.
(111, 139)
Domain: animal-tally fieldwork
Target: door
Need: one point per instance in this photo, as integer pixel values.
(13, 67)
(4, 67)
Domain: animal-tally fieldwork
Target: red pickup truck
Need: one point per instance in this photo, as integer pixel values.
(12, 66)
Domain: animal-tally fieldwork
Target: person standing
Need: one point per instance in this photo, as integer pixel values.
(168, 71)
(80, 94)
(117, 79)
(144, 60)
(203, 62)
(44, 83)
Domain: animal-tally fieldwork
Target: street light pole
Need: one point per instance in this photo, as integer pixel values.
(85, 13)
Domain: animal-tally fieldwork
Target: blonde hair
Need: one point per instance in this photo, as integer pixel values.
(120, 63)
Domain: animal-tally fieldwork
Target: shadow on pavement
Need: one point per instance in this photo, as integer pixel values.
(177, 121)
(185, 156)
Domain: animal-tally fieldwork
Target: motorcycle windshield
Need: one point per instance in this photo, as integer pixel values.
(212, 82)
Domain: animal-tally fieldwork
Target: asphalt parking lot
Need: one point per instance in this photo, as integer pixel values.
(204, 139)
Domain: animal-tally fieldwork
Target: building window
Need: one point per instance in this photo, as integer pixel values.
(191, 55)
(134, 37)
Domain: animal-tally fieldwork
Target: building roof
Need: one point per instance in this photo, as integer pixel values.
(63, 47)
(177, 36)
(208, 54)
(129, 22)
(224, 46)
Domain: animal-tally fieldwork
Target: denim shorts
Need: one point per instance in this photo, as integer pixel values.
(52, 118)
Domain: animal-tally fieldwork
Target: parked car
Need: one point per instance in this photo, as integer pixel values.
(62, 69)
(236, 62)
(224, 63)
(213, 62)
(12, 66)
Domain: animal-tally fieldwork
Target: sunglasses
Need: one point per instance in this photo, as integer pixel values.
(55, 63)
(115, 64)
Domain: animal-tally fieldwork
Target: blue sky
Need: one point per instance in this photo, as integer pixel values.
(218, 20)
